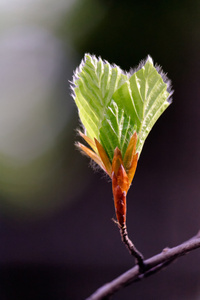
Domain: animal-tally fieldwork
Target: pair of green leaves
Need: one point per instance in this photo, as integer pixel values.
(113, 104)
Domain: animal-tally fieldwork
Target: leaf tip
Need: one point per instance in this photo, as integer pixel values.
(149, 59)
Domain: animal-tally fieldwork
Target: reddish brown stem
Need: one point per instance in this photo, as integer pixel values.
(120, 186)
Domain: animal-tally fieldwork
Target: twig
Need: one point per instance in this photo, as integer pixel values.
(131, 247)
(152, 265)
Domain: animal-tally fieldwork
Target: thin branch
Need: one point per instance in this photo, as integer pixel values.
(131, 247)
(152, 265)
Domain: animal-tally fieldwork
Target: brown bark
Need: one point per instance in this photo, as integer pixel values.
(152, 265)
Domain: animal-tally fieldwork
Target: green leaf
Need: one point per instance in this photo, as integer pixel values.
(113, 105)
(116, 130)
(144, 98)
(95, 81)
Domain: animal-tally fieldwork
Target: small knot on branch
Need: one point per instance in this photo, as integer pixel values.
(166, 249)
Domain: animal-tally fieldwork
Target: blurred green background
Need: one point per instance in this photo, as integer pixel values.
(57, 237)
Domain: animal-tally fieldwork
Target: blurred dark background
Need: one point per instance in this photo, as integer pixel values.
(57, 237)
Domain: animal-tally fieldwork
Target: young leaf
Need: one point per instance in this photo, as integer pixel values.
(112, 105)
(116, 130)
(144, 98)
(95, 82)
